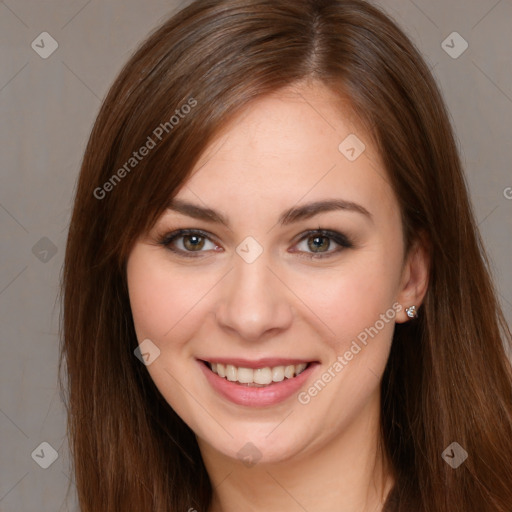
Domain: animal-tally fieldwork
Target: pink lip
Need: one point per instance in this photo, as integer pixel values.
(256, 397)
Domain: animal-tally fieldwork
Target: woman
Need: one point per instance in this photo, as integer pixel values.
(275, 294)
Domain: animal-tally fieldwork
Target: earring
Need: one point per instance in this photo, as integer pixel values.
(411, 312)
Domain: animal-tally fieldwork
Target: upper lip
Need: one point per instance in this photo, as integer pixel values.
(256, 363)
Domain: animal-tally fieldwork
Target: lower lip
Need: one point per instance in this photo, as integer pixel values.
(255, 396)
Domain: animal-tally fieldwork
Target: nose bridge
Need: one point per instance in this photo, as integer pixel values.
(253, 300)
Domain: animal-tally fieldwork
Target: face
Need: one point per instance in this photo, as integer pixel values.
(273, 313)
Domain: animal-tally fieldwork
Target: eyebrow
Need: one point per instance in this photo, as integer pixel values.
(294, 214)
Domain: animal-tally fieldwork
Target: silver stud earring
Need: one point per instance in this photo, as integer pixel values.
(411, 312)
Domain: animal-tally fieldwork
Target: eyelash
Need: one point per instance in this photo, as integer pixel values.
(343, 242)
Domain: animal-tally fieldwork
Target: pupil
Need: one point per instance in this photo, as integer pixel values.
(317, 243)
(193, 242)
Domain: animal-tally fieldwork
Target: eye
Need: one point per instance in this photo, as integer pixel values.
(316, 244)
(187, 242)
(313, 244)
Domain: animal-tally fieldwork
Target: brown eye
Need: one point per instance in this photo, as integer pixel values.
(188, 242)
(193, 242)
(322, 243)
(318, 243)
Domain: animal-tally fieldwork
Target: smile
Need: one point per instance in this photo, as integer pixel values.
(257, 377)
(260, 383)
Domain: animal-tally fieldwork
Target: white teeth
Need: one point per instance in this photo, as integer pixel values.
(262, 376)
(259, 376)
(278, 373)
(231, 372)
(245, 375)
(289, 371)
(300, 368)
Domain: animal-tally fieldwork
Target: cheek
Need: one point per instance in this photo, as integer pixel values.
(359, 306)
(151, 302)
(354, 296)
(161, 300)
(165, 307)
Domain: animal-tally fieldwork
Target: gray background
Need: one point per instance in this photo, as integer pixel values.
(47, 110)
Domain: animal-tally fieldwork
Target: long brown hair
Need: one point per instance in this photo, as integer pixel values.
(448, 377)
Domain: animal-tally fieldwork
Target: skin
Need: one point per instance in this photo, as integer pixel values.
(282, 151)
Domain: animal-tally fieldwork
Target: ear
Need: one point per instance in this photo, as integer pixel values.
(415, 274)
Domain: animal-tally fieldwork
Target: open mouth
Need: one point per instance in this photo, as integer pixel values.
(256, 377)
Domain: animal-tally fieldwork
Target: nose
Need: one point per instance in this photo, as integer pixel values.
(254, 302)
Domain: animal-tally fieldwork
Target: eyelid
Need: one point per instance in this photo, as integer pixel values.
(167, 238)
(337, 237)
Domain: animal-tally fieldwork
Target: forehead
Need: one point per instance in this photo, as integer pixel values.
(300, 143)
